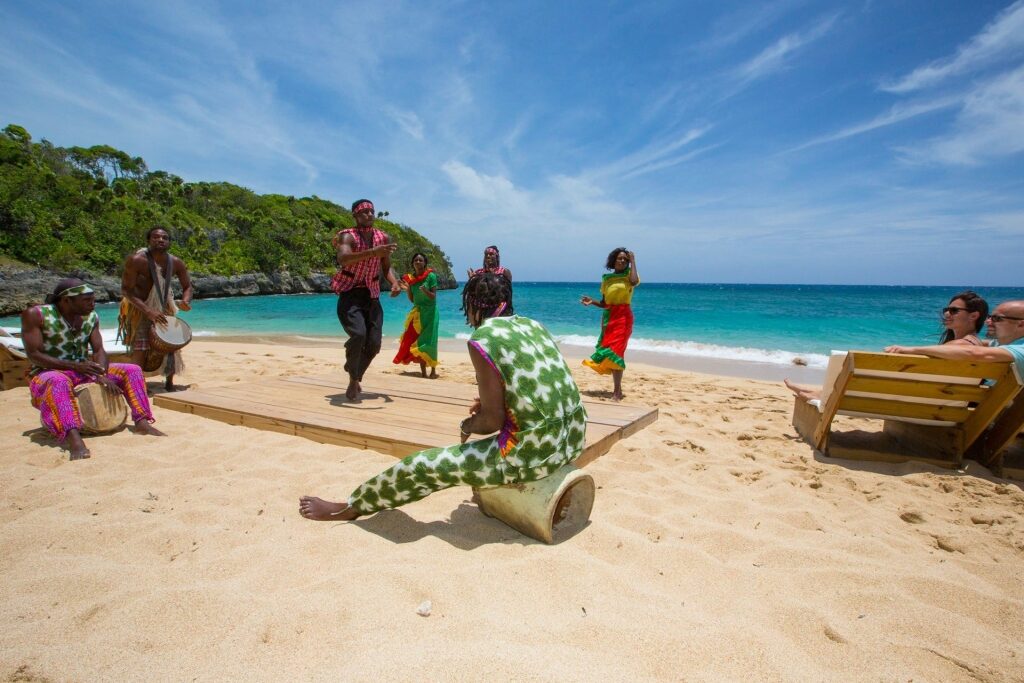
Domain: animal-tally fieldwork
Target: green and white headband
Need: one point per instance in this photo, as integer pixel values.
(76, 290)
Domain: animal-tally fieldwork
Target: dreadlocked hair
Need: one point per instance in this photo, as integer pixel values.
(489, 294)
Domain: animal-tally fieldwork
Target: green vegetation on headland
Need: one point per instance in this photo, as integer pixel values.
(86, 209)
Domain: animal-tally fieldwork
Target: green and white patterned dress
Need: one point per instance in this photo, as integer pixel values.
(545, 424)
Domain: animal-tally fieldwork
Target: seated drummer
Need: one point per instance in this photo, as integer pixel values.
(527, 396)
(57, 338)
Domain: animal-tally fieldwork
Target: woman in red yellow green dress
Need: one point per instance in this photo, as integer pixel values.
(617, 320)
(419, 341)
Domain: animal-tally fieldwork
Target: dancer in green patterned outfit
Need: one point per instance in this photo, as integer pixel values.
(527, 395)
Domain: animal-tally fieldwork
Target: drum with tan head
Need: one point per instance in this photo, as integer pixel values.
(102, 410)
(176, 334)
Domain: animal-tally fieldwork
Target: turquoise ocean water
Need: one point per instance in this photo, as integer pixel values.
(762, 323)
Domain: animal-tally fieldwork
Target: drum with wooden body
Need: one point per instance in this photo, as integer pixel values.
(164, 340)
(176, 334)
(102, 410)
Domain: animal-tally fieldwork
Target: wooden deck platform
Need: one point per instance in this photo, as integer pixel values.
(396, 416)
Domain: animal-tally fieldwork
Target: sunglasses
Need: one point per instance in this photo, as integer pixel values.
(997, 318)
(953, 310)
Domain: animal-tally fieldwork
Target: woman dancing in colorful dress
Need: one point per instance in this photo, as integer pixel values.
(419, 342)
(617, 321)
(492, 264)
(527, 396)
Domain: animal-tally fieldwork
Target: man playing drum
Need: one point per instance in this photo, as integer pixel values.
(364, 252)
(146, 299)
(57, 339)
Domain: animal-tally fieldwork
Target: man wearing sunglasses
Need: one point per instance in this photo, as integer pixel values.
(1005, 325)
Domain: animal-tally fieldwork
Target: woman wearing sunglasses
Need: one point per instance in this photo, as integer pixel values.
(962, 320)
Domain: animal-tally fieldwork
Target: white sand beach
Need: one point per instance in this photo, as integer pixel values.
(720, 548)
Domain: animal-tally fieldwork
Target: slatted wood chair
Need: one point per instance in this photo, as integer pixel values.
(1001, 448)
(14, 366)
(934, 410)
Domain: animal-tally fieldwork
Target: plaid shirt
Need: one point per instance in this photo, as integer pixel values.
(365, 273)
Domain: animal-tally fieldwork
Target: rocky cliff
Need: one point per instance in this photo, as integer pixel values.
(21, 286)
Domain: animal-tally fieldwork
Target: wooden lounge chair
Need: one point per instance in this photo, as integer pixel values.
(934, 410)
(1001, 447)
(14, 366)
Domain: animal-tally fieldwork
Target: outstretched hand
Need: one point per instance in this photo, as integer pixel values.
(586, 301)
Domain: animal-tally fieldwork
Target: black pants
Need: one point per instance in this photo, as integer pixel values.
(363, 319)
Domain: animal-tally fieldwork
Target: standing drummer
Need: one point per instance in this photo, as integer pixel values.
(57, 339)
(146, 299)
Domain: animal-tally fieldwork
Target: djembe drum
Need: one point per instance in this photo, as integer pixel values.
(164, 340)
(102, 410)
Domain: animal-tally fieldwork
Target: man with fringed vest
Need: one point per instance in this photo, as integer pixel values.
(147, 299)
(364, 252)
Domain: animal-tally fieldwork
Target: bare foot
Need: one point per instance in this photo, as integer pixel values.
(433, 373)
(803, 391)
(143, 427)
(353, 390)
(423, 369)
(77, 446)
(617, 397)
(176, 387)
(321, 510)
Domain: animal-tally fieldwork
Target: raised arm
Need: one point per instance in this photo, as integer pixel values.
(347, 254)
(181, 270)
(634, 277)
(956, 352)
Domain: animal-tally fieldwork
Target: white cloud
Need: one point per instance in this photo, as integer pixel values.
(408, 121)
(482, 187)
(896, 114)
(773, 58)
(654, 156)
(990, 125)
(1002, 38)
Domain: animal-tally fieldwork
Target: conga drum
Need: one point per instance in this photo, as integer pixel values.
(102, 410)
(166, 339)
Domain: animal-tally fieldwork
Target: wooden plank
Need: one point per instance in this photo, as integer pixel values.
(893, 362)
(275, 393)
(831, 407)
(633, 418)
(403, 420)
(894, 408)
(461, 395)
(340, 423)
(917, 389)
(438, 389)
(805, 419)
(1007, 388)
(600, 439)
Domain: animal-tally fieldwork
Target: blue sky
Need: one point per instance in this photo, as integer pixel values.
(874, 142)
